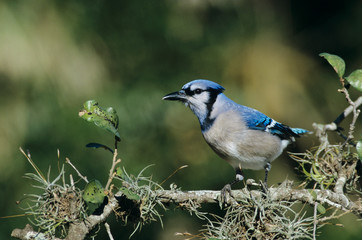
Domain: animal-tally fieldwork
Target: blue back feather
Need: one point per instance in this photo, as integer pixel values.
(259, 121)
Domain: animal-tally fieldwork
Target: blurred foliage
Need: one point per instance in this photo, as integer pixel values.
(55, 54)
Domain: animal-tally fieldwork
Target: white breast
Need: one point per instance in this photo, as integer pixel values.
(238, 145)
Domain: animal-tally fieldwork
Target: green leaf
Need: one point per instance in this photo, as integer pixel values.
(305, 171)
(130, 195)
(106, 119)
(98, 145)
(355, 79)
(94, 192)
(321, 209)
(359, 149)
(336, 62)
(120, 173)
(91, 208)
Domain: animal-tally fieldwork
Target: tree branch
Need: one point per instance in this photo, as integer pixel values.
(28, 233)
(282, 193)
(276, 194)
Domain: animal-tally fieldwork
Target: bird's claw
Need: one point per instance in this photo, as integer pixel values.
(225, 194)
(264, 187)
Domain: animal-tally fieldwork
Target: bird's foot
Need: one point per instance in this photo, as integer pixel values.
(225, 194)
(264, 187)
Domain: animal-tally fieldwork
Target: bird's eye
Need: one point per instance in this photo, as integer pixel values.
(198, 91)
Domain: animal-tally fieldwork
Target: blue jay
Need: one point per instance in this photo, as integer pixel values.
(243, 136)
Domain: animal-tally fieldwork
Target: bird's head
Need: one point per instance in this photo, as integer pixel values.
(199, 95)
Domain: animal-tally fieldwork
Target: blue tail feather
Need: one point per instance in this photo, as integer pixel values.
(299, 131)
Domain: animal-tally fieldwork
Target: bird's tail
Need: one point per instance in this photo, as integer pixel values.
(299, 131)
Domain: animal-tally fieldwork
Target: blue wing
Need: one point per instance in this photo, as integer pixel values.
(259, 121)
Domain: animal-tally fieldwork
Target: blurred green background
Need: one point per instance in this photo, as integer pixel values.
(55, 55)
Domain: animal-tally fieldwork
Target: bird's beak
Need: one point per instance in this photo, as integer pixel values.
(176, 96)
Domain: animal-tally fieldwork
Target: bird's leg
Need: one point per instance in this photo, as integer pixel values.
(227, 188)
(267, 168)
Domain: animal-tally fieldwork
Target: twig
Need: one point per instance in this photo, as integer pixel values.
(108, 231)
(352, 108)
(115, 161)
(116, 140)
(72, 181)
(348, 111)
(315, 220)
(28, 157)
(67, 160)
(332, 216)
(174, 172)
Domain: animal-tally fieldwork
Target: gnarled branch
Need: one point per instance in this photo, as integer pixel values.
(282, 193)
